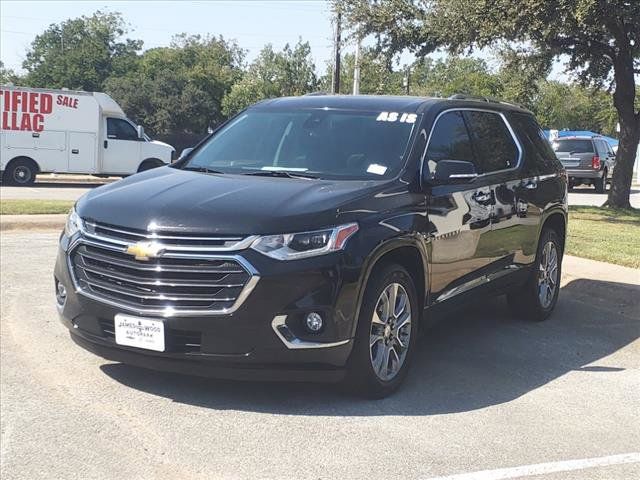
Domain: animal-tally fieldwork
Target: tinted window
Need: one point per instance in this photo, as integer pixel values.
(325, 143)
(449, 141)
(492, 140)
(537, 148)
(573, 146)
(120, 129)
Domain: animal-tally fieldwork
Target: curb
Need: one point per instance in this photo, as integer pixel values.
(32, 222)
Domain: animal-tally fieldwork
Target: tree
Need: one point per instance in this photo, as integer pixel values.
(377, 75)
(274, 74)
(600, 39)
(7, 75)
(80, 53)
(180, 88)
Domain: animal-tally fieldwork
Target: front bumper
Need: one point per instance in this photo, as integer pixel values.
(264, 338)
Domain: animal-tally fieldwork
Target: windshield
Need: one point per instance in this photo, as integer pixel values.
(322, 143)
(573, 146)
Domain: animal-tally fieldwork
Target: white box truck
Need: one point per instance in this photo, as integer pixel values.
(65, 131)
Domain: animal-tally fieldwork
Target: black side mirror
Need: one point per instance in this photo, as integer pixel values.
(451, 171)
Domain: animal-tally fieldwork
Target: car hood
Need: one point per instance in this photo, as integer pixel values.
(179, 200)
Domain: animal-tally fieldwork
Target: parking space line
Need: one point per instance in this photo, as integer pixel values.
(542, 468)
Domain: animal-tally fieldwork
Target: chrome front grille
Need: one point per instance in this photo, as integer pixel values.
(187, 277)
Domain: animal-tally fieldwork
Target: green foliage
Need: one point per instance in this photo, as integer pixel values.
(7, 75)
(179, 88)
(273, 74)
(81, 53)
(559, 105)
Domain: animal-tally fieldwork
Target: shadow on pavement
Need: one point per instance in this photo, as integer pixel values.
(478, 357)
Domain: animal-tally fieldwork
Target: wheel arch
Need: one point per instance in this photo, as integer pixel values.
(557, 220)
(150, 161)
(407, 252)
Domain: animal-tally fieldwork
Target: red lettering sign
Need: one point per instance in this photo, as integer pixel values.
(26, 110)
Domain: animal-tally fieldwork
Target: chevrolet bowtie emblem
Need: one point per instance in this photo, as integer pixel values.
(145, 250)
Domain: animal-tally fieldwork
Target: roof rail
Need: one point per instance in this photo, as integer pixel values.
(314, 94)
(479, 98)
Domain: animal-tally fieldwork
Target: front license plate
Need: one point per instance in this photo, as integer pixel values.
(139, 332)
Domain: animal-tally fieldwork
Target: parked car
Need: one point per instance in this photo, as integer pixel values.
(64, 131)
(588, 160)
(309, 238)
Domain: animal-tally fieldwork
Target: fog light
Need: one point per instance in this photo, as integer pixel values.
(314, 322)
(61, 293)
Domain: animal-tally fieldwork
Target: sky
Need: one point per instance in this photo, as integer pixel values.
(252, 23)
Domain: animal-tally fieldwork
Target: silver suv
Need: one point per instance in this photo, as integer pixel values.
(588, 160)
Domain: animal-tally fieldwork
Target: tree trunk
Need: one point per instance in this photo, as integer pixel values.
(623, 100)
(625, 158)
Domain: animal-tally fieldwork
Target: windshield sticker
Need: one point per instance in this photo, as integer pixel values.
(377, 169)
(397, 117)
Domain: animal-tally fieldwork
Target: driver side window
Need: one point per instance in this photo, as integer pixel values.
(118, 129)
(449, 141)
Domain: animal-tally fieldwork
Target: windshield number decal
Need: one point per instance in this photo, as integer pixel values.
(397, 117)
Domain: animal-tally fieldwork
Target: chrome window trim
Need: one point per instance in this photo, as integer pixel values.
(164, 312)
(473, 109)
(279, 322)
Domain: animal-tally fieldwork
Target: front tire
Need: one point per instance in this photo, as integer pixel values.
(538, 297)
(386, 333)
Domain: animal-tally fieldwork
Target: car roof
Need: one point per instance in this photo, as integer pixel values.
(579, 137)
(379, 103)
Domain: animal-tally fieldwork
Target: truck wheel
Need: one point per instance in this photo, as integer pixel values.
(538, 297)
(601, 183)
(386, 333)
(21, 171)
(149, 164)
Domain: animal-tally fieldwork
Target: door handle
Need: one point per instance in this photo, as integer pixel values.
(532, 185)
(106, 144)
(75, 150)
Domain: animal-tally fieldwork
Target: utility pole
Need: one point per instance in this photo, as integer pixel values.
(335, 87)
(356, 70)
(407, 79)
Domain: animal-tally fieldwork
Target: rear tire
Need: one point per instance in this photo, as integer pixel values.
(20, 172)
(537, 298)
(385, 337)
(601, 183)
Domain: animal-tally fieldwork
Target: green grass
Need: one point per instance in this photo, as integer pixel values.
(605, 234)
(34, 207)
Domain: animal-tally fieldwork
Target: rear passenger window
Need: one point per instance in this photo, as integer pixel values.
(537, 148)
(492, 140)
(449, 141)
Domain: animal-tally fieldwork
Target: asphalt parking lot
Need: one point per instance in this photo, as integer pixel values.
(487, 392)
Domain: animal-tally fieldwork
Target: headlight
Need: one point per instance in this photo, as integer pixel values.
(74, 223)
(292, 246)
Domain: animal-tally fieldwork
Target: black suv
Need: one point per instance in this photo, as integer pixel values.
(307, 238)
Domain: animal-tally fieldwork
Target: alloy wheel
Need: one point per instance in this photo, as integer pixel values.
(548, 274)
(390, 332)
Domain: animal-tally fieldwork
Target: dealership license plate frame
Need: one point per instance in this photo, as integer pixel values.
(139, 332)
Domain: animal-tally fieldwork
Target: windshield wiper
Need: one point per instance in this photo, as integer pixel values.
(200, 169)
(280, 174)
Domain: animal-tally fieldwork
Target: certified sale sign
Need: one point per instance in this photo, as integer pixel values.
(29, 110)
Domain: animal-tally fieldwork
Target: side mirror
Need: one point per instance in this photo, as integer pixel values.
(185, 152)
(451, 171)
(140, 130)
